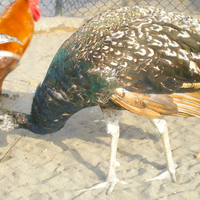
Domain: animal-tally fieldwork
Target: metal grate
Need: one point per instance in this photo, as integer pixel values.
(50, 8)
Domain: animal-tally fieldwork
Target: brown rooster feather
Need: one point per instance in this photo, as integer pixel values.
(17, 21)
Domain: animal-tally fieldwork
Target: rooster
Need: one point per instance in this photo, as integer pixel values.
(17, 21)
(141, 59)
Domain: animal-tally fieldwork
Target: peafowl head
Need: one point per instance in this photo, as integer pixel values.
(10, 120)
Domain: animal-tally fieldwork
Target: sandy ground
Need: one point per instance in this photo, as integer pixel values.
(56, 166)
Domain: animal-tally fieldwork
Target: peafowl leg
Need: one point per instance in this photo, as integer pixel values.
(112, 125)
(161, 127)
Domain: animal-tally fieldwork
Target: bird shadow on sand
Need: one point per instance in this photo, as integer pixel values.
(87, 125)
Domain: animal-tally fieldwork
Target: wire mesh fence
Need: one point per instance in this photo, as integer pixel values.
(51, 8)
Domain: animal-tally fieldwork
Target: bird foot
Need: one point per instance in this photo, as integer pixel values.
(164, 174)
(109, 185)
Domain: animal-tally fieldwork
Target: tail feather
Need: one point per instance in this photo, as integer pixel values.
(188, 103)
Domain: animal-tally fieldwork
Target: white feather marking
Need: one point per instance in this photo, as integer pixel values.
(183, 55)
(195, 56)
(137, 46)
(165, 37)
(118, 53)
(157, 68)
(117, 35)
(98, 56)
(140, 33)
(114, 42)
(105, 48)
(157, 43)
(183, 34)
(124, 65)
(129, 58)
(173, 44)
(168, 61)
(171, 53)
(120, 44)
(151, 52)
(142, 52)
(156, 28)
(194, 67)
(149, 38)
(114, 63)
(131, 42)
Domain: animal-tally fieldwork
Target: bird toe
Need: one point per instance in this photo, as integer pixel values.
(164, 174)
(109, 185)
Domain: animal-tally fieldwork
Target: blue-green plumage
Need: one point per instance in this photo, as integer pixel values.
(140, 49)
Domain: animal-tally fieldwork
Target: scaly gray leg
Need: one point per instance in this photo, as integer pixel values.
(161, 127)
(112, 125)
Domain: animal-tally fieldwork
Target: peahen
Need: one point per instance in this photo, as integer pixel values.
(141, 59)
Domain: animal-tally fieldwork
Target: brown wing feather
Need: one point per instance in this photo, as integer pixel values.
(149, 105)
(157, 105)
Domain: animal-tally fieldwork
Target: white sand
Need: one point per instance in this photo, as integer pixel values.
(55, 166)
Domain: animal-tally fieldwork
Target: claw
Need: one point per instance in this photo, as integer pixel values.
(164, 174)
(112, 185)
(161, 176)
(104, 184)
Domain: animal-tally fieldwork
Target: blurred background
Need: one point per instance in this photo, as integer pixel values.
(70, 8)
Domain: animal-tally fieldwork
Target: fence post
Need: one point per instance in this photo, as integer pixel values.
(58, 9)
